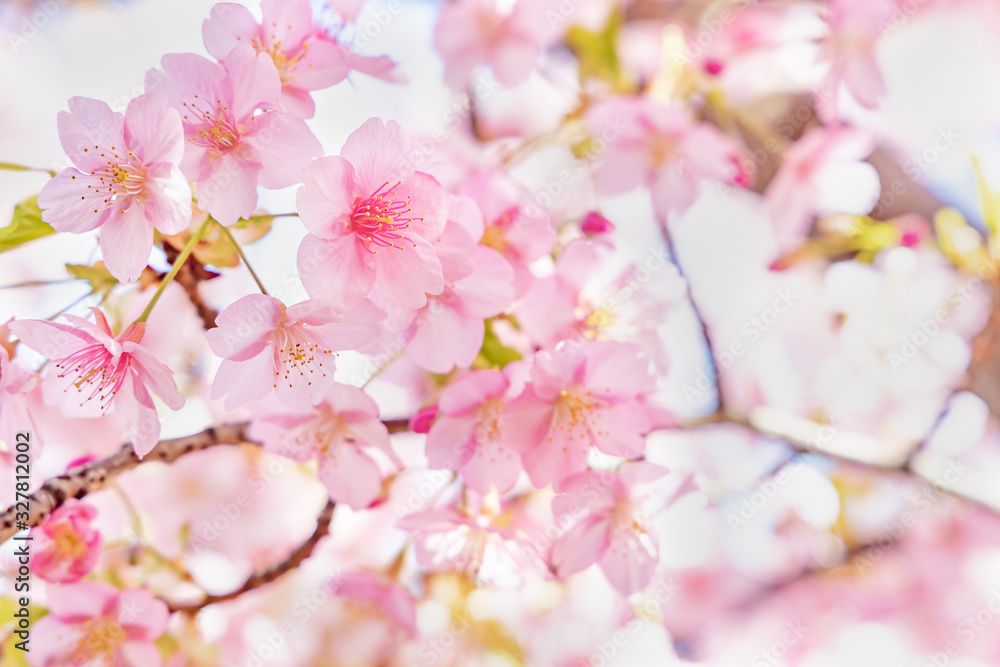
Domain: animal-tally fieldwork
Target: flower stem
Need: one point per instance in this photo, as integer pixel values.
(243, 257)
(178, 263)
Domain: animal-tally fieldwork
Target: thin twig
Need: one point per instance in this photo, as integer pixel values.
(269, 575)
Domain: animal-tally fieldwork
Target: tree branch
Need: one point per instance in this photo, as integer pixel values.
(94, 476)
(269, 575)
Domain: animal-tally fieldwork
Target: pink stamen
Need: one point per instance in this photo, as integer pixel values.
(378, 219)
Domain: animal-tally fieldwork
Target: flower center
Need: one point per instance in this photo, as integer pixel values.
(101, 639)
(296, 351)
(97, 374)
(494, 237)
(379, 219)
(661, 149)
(213, 125)
(572, 415)
(69, 544)
(488, 426)
(280, 56)
(121, 177)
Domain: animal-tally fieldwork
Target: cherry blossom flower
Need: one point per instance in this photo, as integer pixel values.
(66, 545)
(578, 398)
(478, 542)
(371, 218)
(470, 33)
(306, 56)
(381, 595)
(231, 148)
(479, 283)
(660, 147)
(819, 161)
(470, 433)
(92, 371)
(855, 28)
(292, 350)
(93, 623)
(126, 181)
(613, 526)
(582, 302)
(521, 233)
(340, 432)
(15, 385)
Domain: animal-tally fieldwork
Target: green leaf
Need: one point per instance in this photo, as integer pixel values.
(10, 166)
(26, 226)
(494, 353)
(100, 279)
(595, 51)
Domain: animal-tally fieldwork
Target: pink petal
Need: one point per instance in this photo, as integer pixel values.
(139, 654)
(245, 327)
(326, 199)
(338, 269)
(89, 129)
(321, 65)
(284, 145)
(513, 60)
(616, 369)
(229, 191)
(628, 563)
(547, 312)
(155, 375)
(489, 289)
(243, 382)
(472, 390)
(50, 339)
(617, 430)
(450, 441)
(380, 67)
(229, 25)
(527, 420)
(255, 81)
(82, 600)
(288, 22)
(445, 339)
(429, 203)
(405, 276)
(143, 616)
(556, 370)
(454, 248)
(350, 476)
(69, 205)
(153, 130)
(492, 464)
(581, 546)
(673, 191)
(126, 241)
(372, 433)
(168, 199)
(377, 150)
(561, 453)
(135, 410)
(352, 402)
(297, 102)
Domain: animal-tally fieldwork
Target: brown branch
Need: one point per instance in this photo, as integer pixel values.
(269, 575)
(81, 480)
(188, 278)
